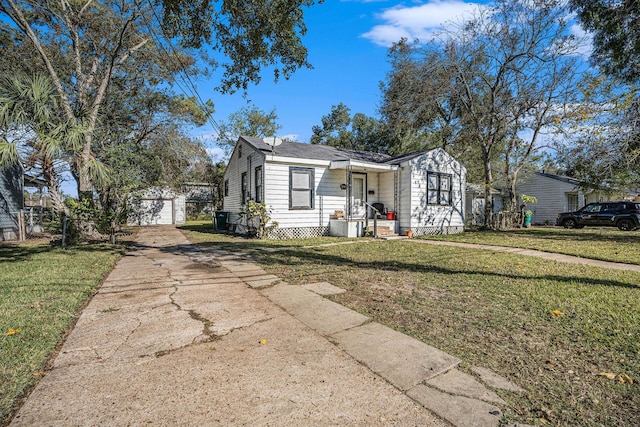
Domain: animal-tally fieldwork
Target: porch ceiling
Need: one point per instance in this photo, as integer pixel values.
(358, 166)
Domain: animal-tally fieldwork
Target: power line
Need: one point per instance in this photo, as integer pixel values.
(191, 87)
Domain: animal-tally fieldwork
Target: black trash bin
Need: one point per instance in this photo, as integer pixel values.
(221, 220)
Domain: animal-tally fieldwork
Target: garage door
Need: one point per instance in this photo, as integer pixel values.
(156, 212)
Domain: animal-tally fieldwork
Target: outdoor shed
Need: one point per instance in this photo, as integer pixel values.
(157, 206)
(313, 190)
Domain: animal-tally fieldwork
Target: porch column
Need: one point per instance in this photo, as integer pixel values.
(396, 193)
(348, 213)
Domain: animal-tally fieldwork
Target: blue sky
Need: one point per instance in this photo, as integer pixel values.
(347, 43)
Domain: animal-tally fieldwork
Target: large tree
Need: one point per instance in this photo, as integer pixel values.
(499, 80)
(32, 132)
(606, 144)
(420, 103)
(84, 45)
(603, 145)
(360, 132)
(616, 40)
(250, 121)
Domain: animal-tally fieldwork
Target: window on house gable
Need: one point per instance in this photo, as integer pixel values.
(301, 188)
(243, 187)
(258, 179)
(226, 188)
(438, 189)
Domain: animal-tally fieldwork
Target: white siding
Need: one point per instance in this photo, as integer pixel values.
(421, 213)
(238, 165)
(385, 193)
(405, 198)
(412, 209)
(552, 195)
(373, 184)
(328, 196)
(157, 206)
(179, 209)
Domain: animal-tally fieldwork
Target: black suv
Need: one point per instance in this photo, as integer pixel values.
(624, 215)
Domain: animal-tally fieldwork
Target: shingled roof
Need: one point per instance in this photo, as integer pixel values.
(299, 150)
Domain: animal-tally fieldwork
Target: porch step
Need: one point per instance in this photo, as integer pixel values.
(386, 233)
(394, 237)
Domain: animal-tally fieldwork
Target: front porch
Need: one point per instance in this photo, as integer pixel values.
(359, 227)
(370, 190)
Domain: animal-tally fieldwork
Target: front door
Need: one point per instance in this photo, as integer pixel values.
(358, 195)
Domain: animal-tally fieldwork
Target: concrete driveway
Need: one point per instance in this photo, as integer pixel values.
(181, 336)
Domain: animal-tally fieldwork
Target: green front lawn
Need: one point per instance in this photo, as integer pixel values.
(41, 290)
(555, 329)
(606, 243)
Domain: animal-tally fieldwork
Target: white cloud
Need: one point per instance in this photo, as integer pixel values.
(585, 40)
(217, 154)
(419, 22)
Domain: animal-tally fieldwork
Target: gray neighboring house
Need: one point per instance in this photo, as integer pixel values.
(557, 193)
(199, 197)
(315, 190)
(11, 202)
(20, 217)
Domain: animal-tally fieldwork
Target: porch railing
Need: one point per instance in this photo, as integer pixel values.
(375, 219)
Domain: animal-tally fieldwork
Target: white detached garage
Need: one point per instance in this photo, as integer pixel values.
(157, 206)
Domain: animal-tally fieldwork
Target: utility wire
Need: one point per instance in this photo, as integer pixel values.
(186, 78)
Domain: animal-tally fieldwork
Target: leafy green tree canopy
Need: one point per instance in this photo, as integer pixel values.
(616, 40)
(251, 34)
(359, 132)
(84, 46)
(488, 88)
(249, 121)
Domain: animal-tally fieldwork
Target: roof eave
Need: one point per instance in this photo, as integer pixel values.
(362, 166)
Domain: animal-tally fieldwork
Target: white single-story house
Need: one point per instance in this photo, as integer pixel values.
(157, 206)
(314, 190)
(557, 193)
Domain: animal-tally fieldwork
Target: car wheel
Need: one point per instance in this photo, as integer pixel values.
(626, 225)
(570, 223)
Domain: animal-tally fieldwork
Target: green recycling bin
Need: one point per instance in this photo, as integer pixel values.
(221, 220)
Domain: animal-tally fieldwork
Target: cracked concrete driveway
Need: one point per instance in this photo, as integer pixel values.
(172, 339)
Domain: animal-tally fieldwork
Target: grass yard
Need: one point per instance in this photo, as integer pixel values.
(203, 233)
(605, 243)
(41, 290)
(557, 330)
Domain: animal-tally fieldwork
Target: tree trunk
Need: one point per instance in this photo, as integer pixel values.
(488, 183)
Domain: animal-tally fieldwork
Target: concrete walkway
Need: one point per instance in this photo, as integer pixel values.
(179, 335)
(534, 253)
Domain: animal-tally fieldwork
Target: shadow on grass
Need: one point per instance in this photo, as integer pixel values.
(236, 242)
(18, 252)
(308, 256)
(318, 258)
(557, 233)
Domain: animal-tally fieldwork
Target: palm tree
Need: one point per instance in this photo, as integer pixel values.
(33, 132)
